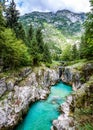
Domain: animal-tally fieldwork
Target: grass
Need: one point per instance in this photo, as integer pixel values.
(12, 72)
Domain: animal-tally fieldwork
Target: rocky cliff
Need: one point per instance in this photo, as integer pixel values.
(18, 91)
(64, 20)
(77, 111)
(59, 29)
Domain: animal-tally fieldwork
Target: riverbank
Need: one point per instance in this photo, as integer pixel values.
(77, 111)
(20, 91)
(41, 113)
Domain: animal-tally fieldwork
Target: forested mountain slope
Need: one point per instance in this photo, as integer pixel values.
(59, 29)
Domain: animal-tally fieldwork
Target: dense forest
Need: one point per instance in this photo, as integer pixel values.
(18, 48)
(23, 48)
(30, 62)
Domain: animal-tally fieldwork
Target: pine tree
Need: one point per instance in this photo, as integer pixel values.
(20, 32)
(74, 52)
(35, 55)
(12, 15)
(46, 55)
(2, 36)
(30, 33)
(40, 41)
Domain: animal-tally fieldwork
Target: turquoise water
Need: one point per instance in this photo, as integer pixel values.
(42, 113)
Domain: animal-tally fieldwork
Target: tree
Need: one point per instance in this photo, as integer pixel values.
(40, 41)
(46, 55)
(12, 15)
(75, 53)
(2, 36)
(30, 33)
(2, 22)
(14, 53)
(86, 46)
(2, 3)
(35, 55)
(66, 53)
(20, 32)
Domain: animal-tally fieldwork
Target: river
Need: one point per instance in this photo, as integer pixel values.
(42, 113)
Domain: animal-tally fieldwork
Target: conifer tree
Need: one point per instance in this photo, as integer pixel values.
(75, 54)
(46, 55)
(40, 41)
(34, 51)
(20, 32)
(30, 33)
(12, 15)
(43, 50)
(2, 36)
(86, 46)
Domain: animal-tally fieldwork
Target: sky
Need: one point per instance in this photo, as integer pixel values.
(26, 6)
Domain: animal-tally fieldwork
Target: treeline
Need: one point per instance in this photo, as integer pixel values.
(85, 48)
(70, 53)
(18, 48)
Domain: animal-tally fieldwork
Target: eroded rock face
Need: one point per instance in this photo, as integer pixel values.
(82, 98)
(3, 87)
(70, 76)
(15, 102)
(64, 122)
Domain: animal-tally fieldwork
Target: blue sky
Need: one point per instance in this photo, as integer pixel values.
(26, 6)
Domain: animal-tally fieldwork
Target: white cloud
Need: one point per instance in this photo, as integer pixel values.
(52, 5)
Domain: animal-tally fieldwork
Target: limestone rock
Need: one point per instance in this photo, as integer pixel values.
(2, 86)
(18, 97)
(64, 122)
(10, 85)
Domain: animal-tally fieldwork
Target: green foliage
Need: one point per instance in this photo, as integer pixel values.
(30, 33)
(86, 46)
(75, 52)
(34, 52)
(46, 54)
(14, 52)
(70, 53)
(60, 20)
(40, 41)
(2, 22)
(17, 49)
(86, 126)
(66, 54)
(12, 15)
(2, 28)
(20, 32)
(38, 50)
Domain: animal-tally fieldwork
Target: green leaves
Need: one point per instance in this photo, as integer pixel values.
(86, 46)
(38, 50)
(14, 52)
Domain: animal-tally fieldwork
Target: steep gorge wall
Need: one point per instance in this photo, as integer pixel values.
(17, 92)
(77, 110)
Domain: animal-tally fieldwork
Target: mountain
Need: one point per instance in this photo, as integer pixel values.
(59, 29)
(66, 21)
